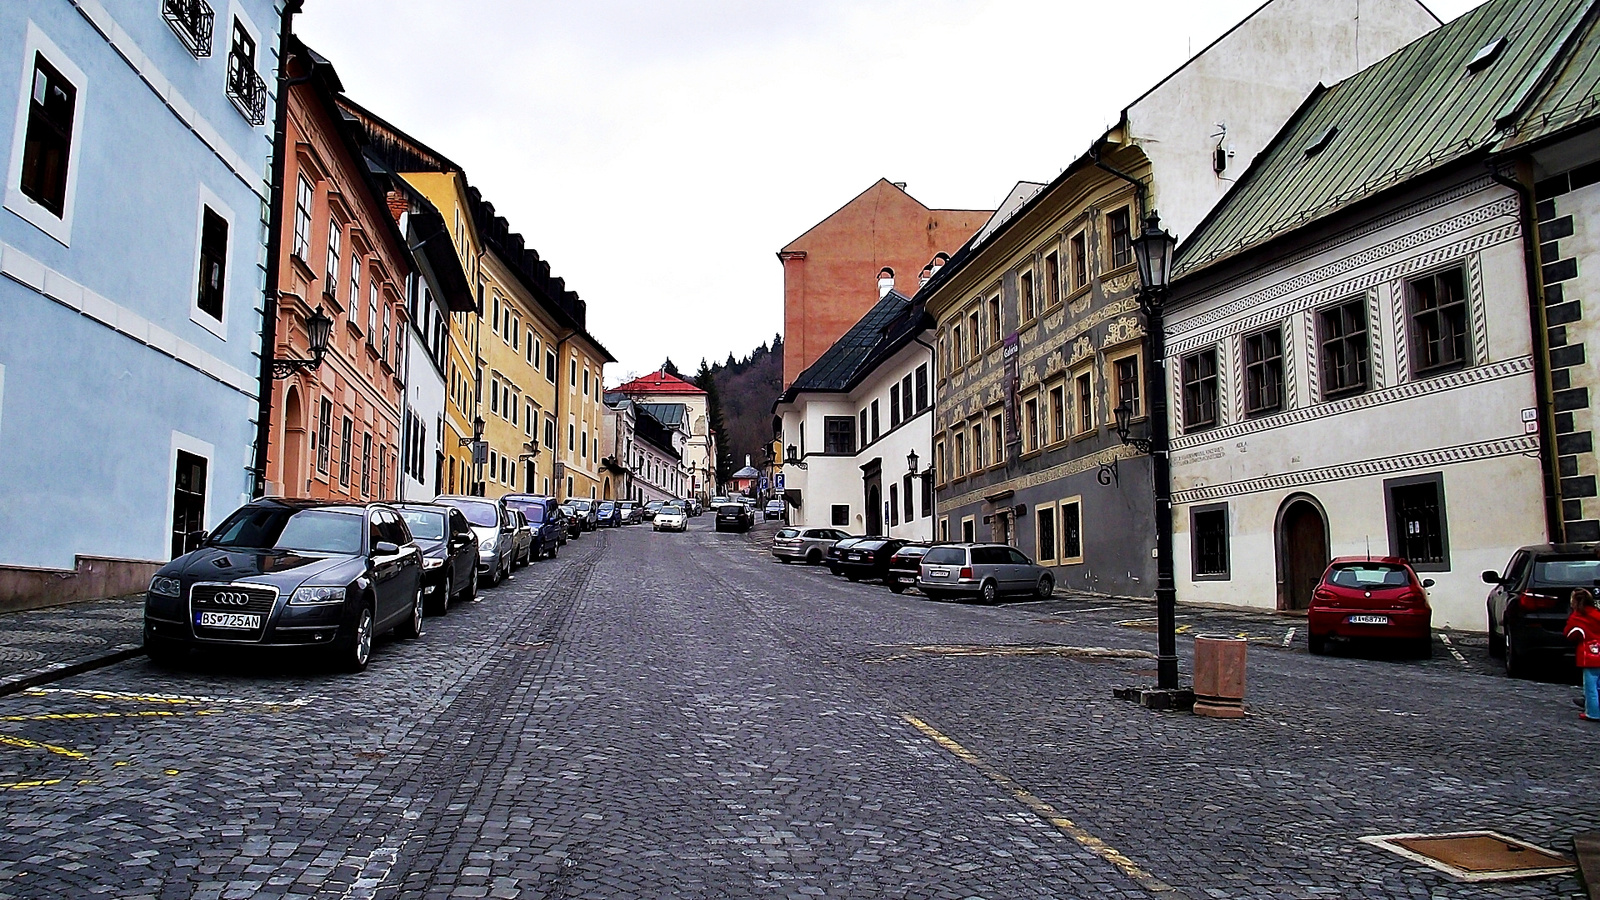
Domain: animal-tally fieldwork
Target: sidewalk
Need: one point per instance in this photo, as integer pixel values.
(38, 646)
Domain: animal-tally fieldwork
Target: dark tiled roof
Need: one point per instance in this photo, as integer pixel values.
(668, 414)
(887, 327)
(1413, 112)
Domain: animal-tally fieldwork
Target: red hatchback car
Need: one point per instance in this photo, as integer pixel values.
(1363, 597)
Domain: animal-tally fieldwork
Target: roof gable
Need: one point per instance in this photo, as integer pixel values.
(1413, 112)
(882, 193)
(658, 382)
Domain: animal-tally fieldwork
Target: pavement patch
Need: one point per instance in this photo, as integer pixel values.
(1475, 855)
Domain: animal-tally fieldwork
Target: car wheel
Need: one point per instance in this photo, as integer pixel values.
(411, 628)
(897, 587)
(1047, 586)
(989, 593)
(1422, 647)
(814, 557)
(438, 606)
(1516, 664)
(472, 586)
(1316, 643)
(1497, 641)
(356, 651)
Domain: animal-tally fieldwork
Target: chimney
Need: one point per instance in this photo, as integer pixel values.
(899, 184)
(885, 282)
(398, 204)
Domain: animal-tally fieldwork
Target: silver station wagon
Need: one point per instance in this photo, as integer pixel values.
(986, 572)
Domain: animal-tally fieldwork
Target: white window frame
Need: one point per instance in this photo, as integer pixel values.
(188, 444)
(46, 221)
(197, 315)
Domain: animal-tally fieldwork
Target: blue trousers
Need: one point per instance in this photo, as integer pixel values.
(1591, 693)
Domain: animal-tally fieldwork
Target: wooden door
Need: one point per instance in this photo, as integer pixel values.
(1305, 553)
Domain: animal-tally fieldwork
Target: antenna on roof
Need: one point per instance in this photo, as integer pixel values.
(1369, 548)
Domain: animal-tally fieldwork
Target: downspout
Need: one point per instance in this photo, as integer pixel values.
(1541, 351)
(1138, 186)
(269, 306)
(556, 450)
(933, 406)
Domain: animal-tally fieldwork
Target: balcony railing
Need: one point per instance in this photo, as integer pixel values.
(247, 90)
(192, 21)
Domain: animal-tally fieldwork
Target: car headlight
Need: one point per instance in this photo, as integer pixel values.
(308, 596)
(429, 562)
(486, 546)
(166, 587)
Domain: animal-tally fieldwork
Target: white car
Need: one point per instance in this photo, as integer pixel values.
(671, 518)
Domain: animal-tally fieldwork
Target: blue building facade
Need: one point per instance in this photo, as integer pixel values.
(133, 250)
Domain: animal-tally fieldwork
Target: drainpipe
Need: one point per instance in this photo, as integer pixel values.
(556, 450)
(1541, 350)
(933, 401)
(1138, 186)
(269, 306)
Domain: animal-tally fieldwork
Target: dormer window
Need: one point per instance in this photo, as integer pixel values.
(1321, 141)
(1486, 56)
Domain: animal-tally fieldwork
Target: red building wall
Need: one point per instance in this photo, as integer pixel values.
(830, 273)
(361, 376)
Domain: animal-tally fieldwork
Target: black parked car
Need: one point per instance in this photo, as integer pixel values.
(868, 558)
(1529, 604)
(449, 553)
(834, 555)
(290, 573)
(734, 517)
(904, 566)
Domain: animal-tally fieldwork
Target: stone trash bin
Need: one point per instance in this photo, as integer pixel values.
(1219, 664)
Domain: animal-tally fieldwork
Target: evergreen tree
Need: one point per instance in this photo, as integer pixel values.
(706, 381)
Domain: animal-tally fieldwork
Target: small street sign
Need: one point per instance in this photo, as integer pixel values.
(1530, 415)
(778, 483)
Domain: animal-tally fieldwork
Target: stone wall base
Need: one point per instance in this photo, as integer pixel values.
(23, 587)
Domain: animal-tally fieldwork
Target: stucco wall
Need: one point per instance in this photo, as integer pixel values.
(1464, 426)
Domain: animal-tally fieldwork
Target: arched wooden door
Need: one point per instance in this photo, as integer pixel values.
(874, 510)
(1302, 551)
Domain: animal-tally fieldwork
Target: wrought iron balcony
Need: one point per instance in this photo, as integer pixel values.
(192, 21)
(247, 90)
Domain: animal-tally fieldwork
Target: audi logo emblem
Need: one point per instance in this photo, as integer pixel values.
(231, 598)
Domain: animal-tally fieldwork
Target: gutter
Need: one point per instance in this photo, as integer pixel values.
(269, 307)
(1138, 186)
(1554, 522)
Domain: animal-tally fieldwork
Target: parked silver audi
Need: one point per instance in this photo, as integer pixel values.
(808, 544)
(985, 572)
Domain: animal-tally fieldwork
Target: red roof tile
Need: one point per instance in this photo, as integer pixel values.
(658, 383)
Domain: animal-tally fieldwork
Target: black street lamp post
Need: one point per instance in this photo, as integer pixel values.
(1153, 250)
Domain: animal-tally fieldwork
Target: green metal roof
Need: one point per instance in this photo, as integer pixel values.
(1571, 94)
(1412, 112)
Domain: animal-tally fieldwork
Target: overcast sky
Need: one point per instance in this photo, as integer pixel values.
(659, 152)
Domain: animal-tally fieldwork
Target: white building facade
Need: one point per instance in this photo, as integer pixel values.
(852, 423)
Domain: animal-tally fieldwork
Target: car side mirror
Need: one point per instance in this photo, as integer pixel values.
(201, 536)
(1427, 582)
(1491, 578)
(386, 548)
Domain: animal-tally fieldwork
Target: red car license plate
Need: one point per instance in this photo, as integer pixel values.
(1369, 620)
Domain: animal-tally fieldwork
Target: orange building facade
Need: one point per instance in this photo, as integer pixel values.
(336, 428)
(831, 273)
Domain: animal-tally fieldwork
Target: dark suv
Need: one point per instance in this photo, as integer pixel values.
(1529, 604)
(734, 517)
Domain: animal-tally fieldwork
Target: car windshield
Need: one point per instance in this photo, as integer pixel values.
(911, 551)
(1369, 575)
(581, 506)
(479, 513)
(787, 532)
(607, 507)
(532, 510)
(424, 524)
(1576, 572)
(307, 530)
(945, 556)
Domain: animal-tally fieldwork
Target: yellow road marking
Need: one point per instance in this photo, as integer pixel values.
(24, 785)
(164, 713)
(37, 745)
(1040, 808)
(175, 699)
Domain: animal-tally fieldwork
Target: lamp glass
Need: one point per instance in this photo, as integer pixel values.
(1153, 251)
(1123, 413)
(911, 461)
(318, 328)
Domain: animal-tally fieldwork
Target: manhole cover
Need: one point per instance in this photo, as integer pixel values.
(1475, 855)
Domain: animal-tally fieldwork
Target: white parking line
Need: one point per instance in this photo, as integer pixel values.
(1445, 639)
(1289, 638)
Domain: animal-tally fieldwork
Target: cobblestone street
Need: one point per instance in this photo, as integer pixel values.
(655, 715)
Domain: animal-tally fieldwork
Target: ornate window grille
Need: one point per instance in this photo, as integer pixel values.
(192, 21)
(246, 89)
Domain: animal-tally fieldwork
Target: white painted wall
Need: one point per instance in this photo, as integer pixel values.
(1251, 81)
(1465, 425)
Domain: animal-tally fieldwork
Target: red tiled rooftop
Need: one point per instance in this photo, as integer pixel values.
(658, 383)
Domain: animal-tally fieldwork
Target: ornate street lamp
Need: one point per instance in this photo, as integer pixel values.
(318, 329)
(1153, 250)
(911, 461)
